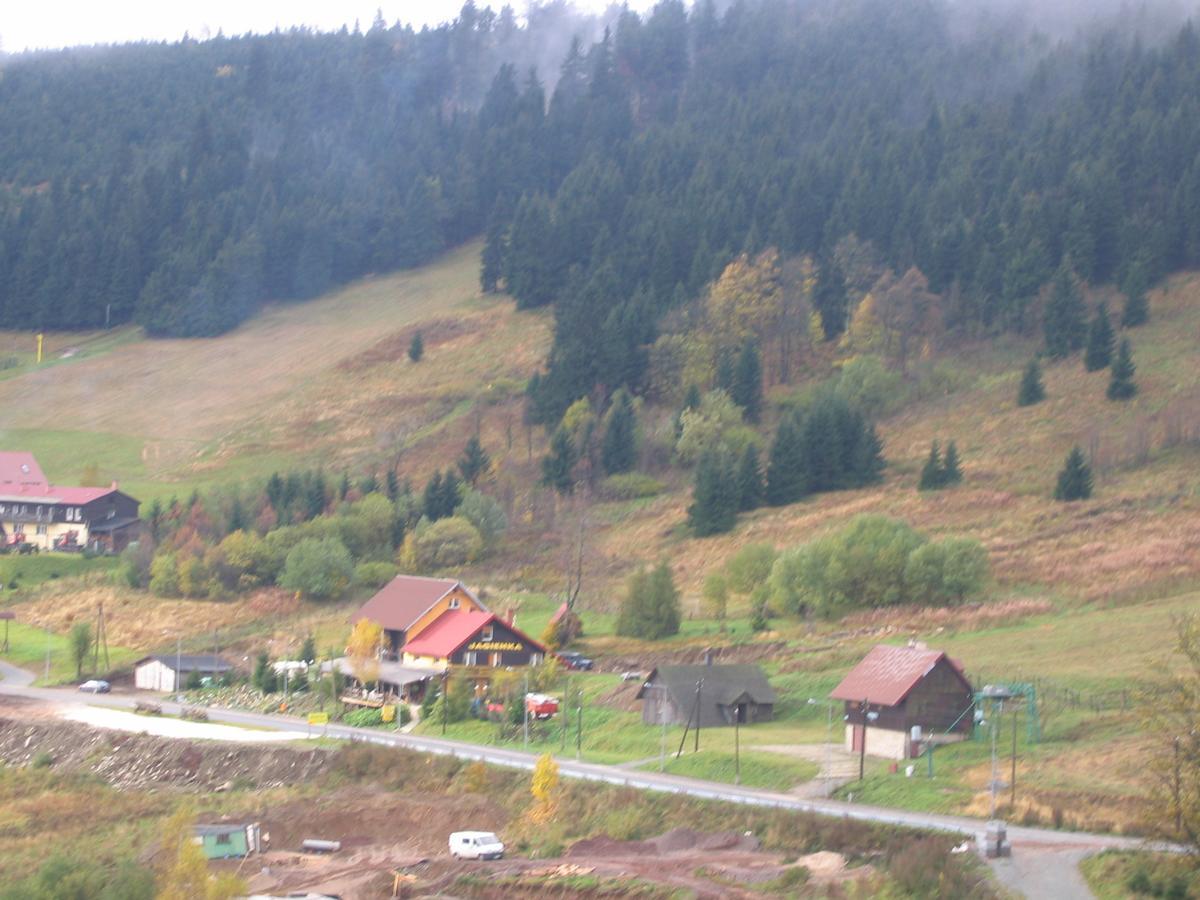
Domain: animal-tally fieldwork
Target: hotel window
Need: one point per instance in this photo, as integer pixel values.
(497, 660)
(453, 603)
(41, 529)
(487, 634)
(469, 658)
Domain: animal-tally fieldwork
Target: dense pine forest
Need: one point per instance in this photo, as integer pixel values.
(615, 175)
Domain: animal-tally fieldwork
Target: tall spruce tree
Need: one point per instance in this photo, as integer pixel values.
(1100, 341)
(1121, 385)
(787, 466)
(431, 498)
(931, 472)
(559, 464)
(749, 480)
(1137, 308)
(1063, 321)
(618, 453)
(1031, 390)
(746, 390)
(416, 347)
(1075, 478)
(714, 495)
(492, 260)
(868, 461)
(474, 461)
(951, 471)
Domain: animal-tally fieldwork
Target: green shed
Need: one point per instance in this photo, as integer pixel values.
(227, 840)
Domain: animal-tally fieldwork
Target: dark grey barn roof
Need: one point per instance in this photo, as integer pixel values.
(204, 662)
(722, 684)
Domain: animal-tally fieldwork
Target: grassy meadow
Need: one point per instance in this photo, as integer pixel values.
(1082, 599)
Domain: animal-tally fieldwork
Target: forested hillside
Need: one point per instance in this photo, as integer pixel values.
(180, 186)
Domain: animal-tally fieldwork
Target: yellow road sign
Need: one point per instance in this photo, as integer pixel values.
(318, 718)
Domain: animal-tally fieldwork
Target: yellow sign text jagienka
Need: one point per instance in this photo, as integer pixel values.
(495, 645)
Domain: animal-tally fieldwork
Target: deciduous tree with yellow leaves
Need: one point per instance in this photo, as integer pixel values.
(545, 789)
(186, 876)
(363, 650)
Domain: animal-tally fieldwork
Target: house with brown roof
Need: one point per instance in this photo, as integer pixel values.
(408, 604)
(896, 689)
(54, 517)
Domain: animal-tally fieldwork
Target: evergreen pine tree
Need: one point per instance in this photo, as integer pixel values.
(492, 262)
(1137, 307)
(1121, 385)
(558, 464)
(344, 486)
(474, 461)
(746, 390)
(416, 348)
(714, 496)
(951, 472)
(749, 480)
(1031, 390)
(868, 464)
(725, 371)
(618, 453)
(450, 496)
(1063, 320)
(931, 472)
(393, 485)
(1075, 479)
(691, 400)
(787, 466)
(1100, 341)
(431, 499)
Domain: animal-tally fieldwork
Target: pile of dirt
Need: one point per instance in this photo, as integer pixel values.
(622, 697)
(148, 763)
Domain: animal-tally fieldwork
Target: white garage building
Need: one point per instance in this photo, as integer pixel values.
(169, 671)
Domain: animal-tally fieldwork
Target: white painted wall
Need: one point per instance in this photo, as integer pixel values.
(881, 742)
(154, 676)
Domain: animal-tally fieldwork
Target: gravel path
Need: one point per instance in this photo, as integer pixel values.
(119, 720)
(13, 675)
(1041, 873)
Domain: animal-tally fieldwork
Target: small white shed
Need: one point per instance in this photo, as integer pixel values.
(169, 672)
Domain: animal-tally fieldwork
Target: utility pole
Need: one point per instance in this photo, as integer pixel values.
(564, 716)
(1012, 800)
(995, 770)
(525, 716)
(862, 744)
(1176, 791)
(699, 688)
(178, 662)
(737, 745)
(445, 698)
(579, 726)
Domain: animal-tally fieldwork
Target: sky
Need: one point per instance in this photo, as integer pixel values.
(52, 24)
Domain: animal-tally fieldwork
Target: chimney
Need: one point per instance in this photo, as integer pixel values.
(114, 485)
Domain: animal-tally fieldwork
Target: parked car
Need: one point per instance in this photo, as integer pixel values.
(573, 660)
(95, 686)
(475, 845)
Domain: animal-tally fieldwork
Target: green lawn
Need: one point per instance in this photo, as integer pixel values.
(758, 769)
(28, 649)
(22, 572)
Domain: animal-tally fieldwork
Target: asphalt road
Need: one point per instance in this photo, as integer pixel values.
(1021, 837)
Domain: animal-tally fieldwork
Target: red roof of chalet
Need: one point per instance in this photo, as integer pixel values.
(887, 674)
(452, 629)
(21, 476)
(404, 599)
(20, 473)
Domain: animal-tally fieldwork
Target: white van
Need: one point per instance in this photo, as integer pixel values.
(475, 845)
